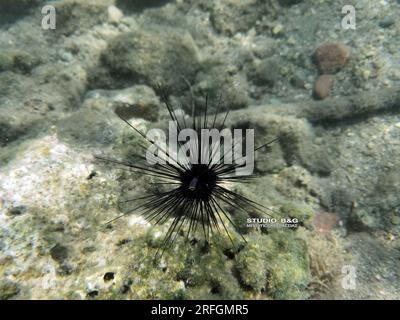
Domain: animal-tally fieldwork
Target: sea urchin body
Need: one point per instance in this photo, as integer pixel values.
(197, 181)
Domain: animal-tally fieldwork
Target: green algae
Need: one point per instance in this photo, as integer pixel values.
(17, 61)
(277, 264)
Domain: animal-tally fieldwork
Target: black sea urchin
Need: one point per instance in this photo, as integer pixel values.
(197, 180)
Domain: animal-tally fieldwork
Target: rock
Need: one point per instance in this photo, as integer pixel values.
(278, 30)
(8, 132)
(331, 57)
(365, 74)
(75, 15)
(395, 219)
(114, 14)
(231, 17)
(302, 212)
(298, 147)
(59, 253)
(28, 102)
(361, 220)
(297, 81)
(138, 101)
(8, 289)
(153, 55)
(296, 140)
(265, 72)
(52, 177)
(323, 86)
(126, 286)
(98, 128)
(17, 61)
(215, 81)
(16, 211)
(387, 22)
(258, 272)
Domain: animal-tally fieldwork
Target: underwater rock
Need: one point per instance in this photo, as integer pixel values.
(45, 94)
(387, 22)
(300, 211)
(153, 55)
(215, 81)
(9, 132)
(298, 148)
(278, 30)
(114, 14)
(8, 289)
(52, 176)
(330, 110)
(296, 139)
(266, 265)
(296, 183)
(331, 57)
(232, 16)
(74, 15)
(266, 72)
(17, 61)
(16, 211)
(297, 81)
(59, 253)
(323, 86)
(341, 201)
(139, 101)
(98, 128)
(361, 220)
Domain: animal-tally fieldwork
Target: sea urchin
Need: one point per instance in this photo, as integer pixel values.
(197, 177)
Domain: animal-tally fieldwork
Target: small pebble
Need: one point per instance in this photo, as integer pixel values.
(126, 287)
(291, 40)
(277, 30)
(59, 253)
(323, 86)
(331, 57)
(16, 211)
(114, 14)
(395, 220)
(387, 22)
(365, 74)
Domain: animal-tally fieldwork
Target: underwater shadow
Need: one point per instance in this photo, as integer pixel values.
(139, 5)
(357, 118)
(12, 11)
